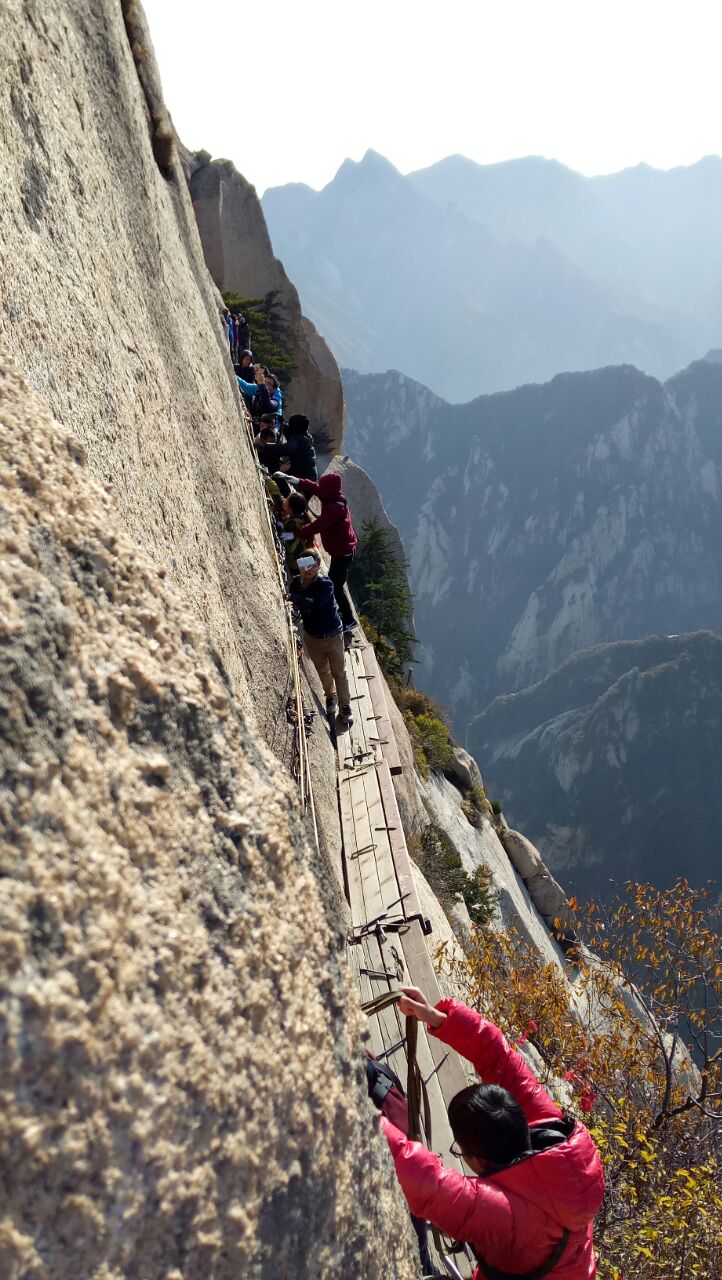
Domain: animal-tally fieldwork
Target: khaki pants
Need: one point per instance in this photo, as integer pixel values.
(327, 657)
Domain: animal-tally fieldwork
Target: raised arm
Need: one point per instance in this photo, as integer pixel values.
(494, 1059)
(486, 1048)
(248, 388)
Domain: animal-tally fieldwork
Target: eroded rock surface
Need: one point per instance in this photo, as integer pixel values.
(168, 937)
(179, 1071)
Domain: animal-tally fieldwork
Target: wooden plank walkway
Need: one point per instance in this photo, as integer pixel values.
(387, 947)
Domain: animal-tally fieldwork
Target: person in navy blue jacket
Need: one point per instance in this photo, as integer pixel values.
(313, 595)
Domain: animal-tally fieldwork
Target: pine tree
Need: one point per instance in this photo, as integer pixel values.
(381, 590)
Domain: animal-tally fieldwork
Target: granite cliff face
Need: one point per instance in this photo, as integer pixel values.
(542, 521)
(154, 972)
(610, 763)
(241, 260)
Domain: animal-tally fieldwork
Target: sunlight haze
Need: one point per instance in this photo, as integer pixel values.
(290, 92)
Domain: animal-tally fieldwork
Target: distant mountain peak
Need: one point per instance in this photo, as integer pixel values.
(372, 165)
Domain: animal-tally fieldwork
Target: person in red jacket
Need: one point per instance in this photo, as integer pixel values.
(539, 1177)
(337, 538)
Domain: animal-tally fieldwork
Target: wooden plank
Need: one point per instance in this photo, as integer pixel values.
(353, 745)
(385, 865)
(390, 1024)
(352, 873)
(383, 729)
(357, 960)
(365, 864)
(397, 840)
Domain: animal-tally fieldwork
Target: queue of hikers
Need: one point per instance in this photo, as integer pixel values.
(526, 1209)
(287, 456)
(237, 332)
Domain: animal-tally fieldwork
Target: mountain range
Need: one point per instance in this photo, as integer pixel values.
(542, 521)
(473, 278)
(551, 531)
(610, 764)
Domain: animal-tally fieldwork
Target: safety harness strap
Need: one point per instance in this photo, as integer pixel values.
(493, 1273)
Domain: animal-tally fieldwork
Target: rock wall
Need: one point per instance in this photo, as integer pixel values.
(155, 974)
(169, 937)
(240, 259)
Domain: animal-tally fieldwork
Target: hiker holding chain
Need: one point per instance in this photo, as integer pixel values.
(539, 1180)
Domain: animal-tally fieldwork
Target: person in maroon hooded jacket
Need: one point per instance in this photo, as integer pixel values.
(539, 1180)
(337, 537)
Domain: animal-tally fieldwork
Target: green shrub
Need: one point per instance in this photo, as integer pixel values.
(482, 900)
(431, 740)
(436, 741)
(417, 745)
(436, 857)
(475, 805)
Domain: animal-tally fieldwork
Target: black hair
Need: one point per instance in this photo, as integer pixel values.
(267, 435)
(487, 1122)
(297, 503)
(268, 420)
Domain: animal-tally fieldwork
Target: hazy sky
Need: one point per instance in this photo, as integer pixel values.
(288, 93)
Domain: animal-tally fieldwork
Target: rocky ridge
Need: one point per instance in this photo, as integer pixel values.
(474, 279)
(240, 258)
(609, 763)
(542, 521)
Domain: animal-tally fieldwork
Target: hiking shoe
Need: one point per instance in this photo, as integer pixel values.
(346, 715)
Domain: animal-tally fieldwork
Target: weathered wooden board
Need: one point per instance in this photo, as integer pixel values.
(358, 745)
(382, 722)
(397, 841)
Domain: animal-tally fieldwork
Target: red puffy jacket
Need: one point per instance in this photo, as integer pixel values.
(334, 522)
(515, 1217)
